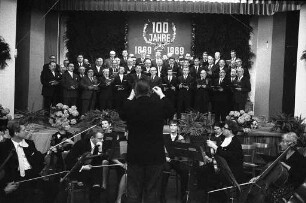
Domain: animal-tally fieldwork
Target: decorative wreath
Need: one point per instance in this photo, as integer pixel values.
(4, 53)
(161, 44)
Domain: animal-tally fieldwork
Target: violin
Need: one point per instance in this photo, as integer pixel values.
(274, 175)
(2, 171)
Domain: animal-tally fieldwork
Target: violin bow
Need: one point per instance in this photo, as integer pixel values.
(72, 137)
(40, 177)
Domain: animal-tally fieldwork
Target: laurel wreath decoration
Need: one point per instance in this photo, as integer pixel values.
(161, 44)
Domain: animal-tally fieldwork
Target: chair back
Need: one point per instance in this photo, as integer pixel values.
(248, 152)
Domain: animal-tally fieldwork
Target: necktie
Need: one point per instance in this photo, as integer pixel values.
(138, 76)
(53, 73)
(196, 69)
(121, 78)
(220, 81)
(20, 160)
(95, 150)
(239, 79)
(185, 77)
(169, 78)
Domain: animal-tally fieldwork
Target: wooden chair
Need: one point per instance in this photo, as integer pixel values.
(249, 154)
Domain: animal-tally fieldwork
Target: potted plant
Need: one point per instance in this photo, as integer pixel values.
(287, 123)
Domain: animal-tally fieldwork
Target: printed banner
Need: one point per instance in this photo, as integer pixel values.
(165, 34)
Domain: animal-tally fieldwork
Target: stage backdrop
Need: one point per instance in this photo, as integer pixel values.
(165, 33)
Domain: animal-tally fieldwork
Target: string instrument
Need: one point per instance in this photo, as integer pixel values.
(2, 171)
(51, 159)
(212, 152)
(275, 174)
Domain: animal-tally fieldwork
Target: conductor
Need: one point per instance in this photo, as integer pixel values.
(145, 154)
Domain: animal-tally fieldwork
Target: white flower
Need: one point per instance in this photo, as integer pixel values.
(74, 107)
(75, 113)
(228, 118)
(58, 113)
(247, 117)
(236, 114)
(242, 112)
(59, 105)
(73, 121)
(231, 113)
(65, 107)
(241, 120)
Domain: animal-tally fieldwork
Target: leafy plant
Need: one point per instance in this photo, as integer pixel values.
(4, 53)
(288, 123)
(194, 123)
(94, 117)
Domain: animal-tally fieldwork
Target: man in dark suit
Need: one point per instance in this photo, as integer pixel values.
(130, 68)
(79, 63)
(133, 78)
(98, 68)
(140, 61)
(161, 69)
(217, 57)
(245, 70)
(154, 79)
(52, 58)
(211, 68)
(25, 163)
(241, 90)
(220, 94)
(89, 86)
(89, 175)
(146, 68)
(49, 78)
(123, 60)
(70, 83)
(145, 154)
(232, 85)
(121, 88)
(185, 92)
(222, 66)
(170, 85)
(173, 65)
(204, 60)
(157, 57)
(195, 69)
(109, 61)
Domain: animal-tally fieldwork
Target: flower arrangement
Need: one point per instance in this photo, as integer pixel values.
(62, 117)
(246, 121)
(4, 113)
(194, 124)
(94, 117)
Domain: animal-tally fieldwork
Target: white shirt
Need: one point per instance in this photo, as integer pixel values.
(70, 73)
(98, 68)
(92, 146)
(239, 79)
(121, 77)
(226, 141)
(53, 73)
(22, 159)
(169, 78)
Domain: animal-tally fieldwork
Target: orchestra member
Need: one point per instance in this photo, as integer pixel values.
(90, 176)
(174, 162)
(25, 163)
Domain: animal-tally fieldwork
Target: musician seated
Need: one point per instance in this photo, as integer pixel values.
(174, 162)
(115, 138)
(294, 163)
(210, 177)
(91, 176)
(23, 162)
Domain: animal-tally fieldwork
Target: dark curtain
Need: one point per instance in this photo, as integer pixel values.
(95, 34)
(215, 32)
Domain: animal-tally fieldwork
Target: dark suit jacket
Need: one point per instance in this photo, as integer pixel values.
(145, 120)
(67, 81)
(133, 78)
(175, 69)
(97, 73)
(245, 85)
(157, 81)
(34, 157)
(46, 67)
(211, 73)
(221, 95)
(46, 77)
(188, 82)
(82, 146)
(130, 70)
(108, 63)
(140, 61)
(123, 62)
(168, 84)
(163, 71)
(195, 74)
(121, 87)
(85, 83)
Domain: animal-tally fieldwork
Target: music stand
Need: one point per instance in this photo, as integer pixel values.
(185, 150)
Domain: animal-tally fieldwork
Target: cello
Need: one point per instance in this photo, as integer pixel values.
(274, 175)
